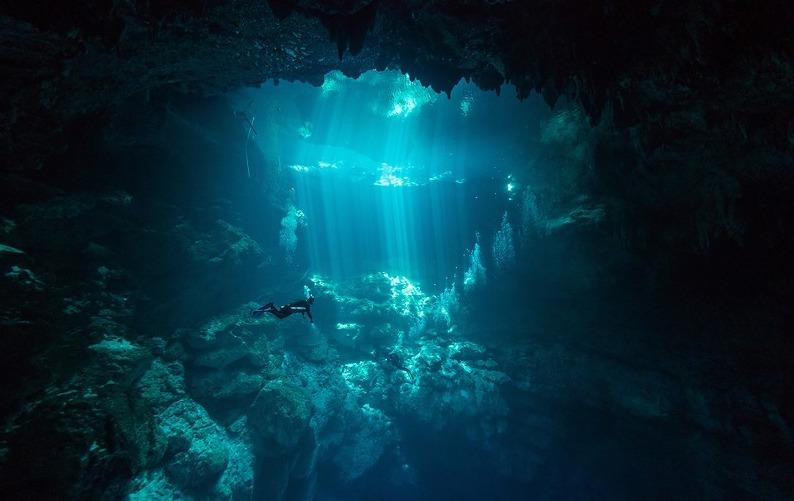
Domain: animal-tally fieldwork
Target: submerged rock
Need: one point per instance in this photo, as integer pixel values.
(121, 358)
(154, 485)
(324, 387)
(7, 249)
(233, 335)
(199, 454)
(279, 417)
(220, 357)
(193, 468)
(226, 385)
(25, 278)
(369, 433)
(199, 446)
(465, 350)
(237, 481)
(85, 437)
(163, 384)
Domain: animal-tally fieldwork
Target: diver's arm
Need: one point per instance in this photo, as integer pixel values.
(309, 312)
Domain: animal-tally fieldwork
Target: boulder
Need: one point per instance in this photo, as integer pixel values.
(220, 357)
(198, 464)
(119, 358)
(24, 278)
(237, 481)
(227, 338)
(361, 377)
(324, 386)
(278, 417)
(199, 448)
(466, 350)
(154, 485)
(445, 388)
(224, 385)
(370, 435)
(163, 384)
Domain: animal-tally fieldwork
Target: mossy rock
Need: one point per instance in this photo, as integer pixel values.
(278, 417)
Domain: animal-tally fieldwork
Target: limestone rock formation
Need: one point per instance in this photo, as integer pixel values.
(279, 417)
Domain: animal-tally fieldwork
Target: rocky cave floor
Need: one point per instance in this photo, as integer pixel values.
(225, 406)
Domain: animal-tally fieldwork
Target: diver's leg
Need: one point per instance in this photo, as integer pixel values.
(261, 310)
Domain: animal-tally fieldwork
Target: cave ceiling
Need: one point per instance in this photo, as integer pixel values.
(690, 66)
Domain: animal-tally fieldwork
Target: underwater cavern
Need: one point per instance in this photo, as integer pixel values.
(332, 250)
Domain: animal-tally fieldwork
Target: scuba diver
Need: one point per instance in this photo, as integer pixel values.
(303, 306)
(396, 361)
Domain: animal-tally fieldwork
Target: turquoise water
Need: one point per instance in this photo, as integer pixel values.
(481, 329)
(382, 174)
(453, 233)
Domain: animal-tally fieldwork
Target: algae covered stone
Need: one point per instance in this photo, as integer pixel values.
(279, 416)
(199, 447)
(224, 385)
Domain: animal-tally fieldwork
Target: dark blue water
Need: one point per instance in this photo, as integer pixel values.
(481, 328)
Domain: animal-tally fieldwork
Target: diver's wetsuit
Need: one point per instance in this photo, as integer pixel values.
(396, 360)
(304, 307)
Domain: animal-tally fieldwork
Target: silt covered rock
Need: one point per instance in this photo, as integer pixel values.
(278, 417)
